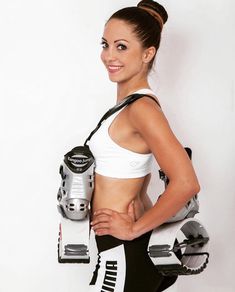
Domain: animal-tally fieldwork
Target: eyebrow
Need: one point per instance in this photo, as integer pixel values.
(115, 41)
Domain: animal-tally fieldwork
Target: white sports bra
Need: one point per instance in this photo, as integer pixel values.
(115, 161)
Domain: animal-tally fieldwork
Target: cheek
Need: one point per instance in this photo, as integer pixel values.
(137, 56)
(136, 60)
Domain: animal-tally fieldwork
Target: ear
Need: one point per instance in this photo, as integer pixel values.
(149, 54)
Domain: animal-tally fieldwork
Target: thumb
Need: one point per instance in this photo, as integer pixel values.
(131, 210)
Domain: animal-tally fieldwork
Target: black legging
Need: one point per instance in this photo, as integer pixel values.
(124, 266)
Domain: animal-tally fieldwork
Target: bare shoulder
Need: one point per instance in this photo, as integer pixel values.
(146, 112)
(150, 122)
(148, 100)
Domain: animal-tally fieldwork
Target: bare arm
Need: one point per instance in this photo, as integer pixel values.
(172, 159)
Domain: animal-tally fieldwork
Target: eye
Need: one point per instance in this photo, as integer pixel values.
(104, 44)
(122, 47)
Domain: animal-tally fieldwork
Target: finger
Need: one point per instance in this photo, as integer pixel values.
(100, 226)
(100, 218)
(104, 211)
(101, 232)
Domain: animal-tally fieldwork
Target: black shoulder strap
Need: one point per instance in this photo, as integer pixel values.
(125, 102)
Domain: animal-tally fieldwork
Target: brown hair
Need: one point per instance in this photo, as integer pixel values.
(147, 19)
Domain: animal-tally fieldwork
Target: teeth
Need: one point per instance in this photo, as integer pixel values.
(114, 67)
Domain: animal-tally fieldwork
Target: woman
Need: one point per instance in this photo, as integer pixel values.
(123, 216)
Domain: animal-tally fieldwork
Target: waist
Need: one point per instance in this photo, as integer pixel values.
(116, 194)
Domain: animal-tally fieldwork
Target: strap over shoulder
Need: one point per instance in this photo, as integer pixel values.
(125, 102)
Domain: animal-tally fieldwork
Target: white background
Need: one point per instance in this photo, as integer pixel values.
(53, 89)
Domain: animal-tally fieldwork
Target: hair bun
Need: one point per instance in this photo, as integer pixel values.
(155, 9)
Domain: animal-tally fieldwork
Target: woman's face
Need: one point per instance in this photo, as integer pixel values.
(122, 54)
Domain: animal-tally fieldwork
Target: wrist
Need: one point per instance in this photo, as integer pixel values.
(133, 233)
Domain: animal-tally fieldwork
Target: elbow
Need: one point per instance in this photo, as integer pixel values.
(193, 188)
(196, 188)
(189, 187)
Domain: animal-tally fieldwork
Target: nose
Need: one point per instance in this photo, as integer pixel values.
(108, 55)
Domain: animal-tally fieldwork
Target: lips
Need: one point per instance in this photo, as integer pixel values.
(113, 68)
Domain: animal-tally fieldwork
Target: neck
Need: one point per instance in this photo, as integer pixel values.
(123, 90)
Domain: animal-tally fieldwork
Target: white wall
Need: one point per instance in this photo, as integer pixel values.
(53, 88)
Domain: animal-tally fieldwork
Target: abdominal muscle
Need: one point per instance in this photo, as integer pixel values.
(116, 194)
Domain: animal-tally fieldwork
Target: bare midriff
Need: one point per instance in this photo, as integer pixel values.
(117, 194)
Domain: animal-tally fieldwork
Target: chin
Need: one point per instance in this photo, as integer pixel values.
(114, 79)
(118, 79)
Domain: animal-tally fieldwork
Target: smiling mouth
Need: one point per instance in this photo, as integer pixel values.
(114, 69)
